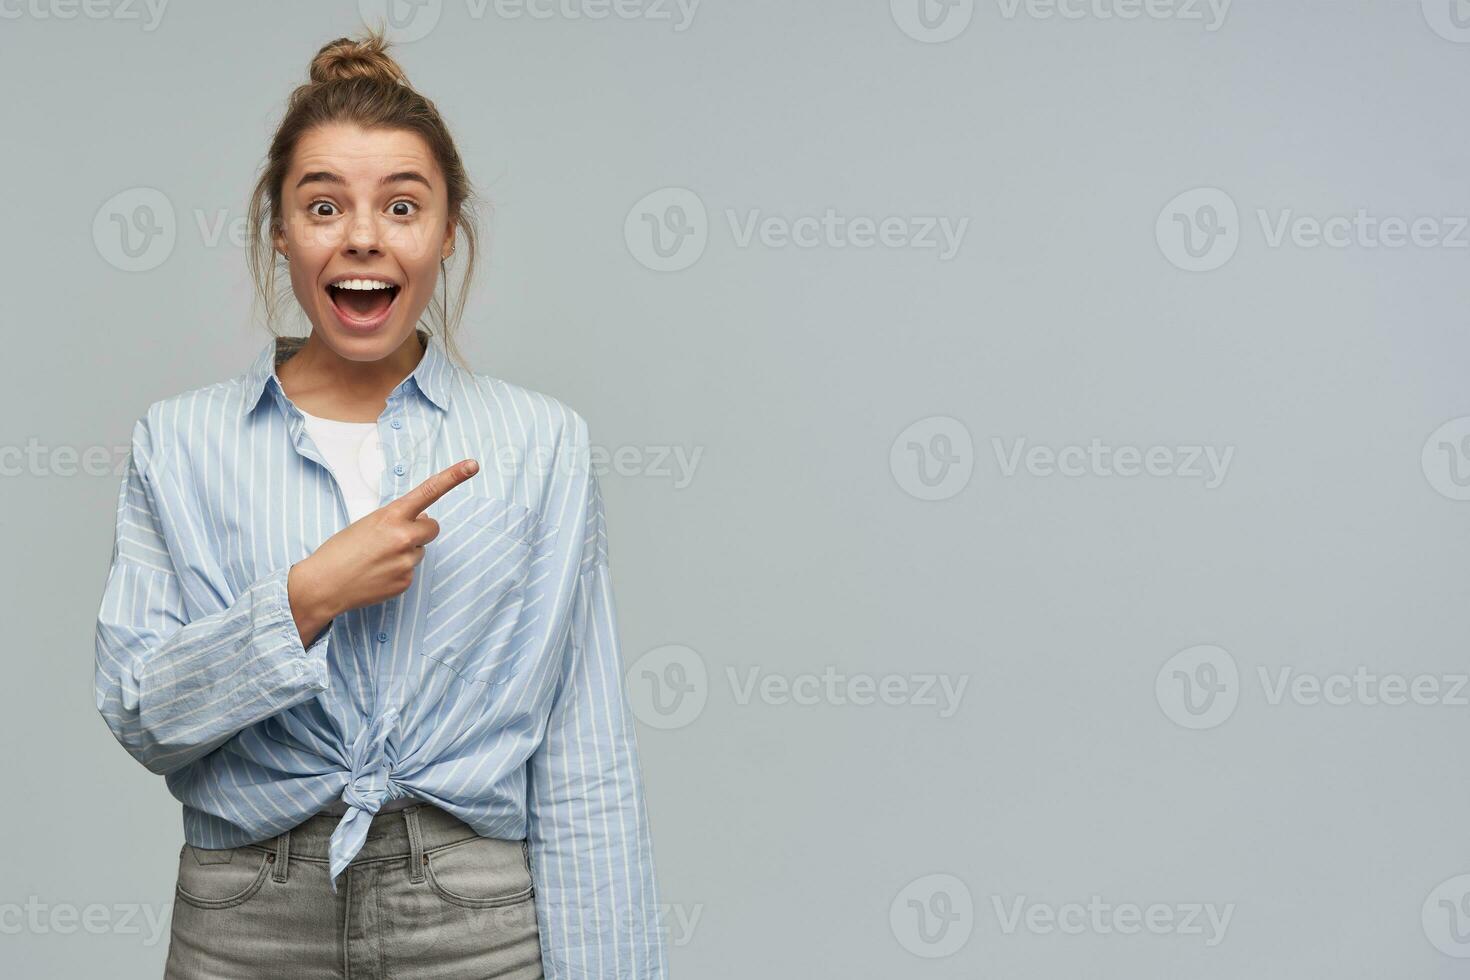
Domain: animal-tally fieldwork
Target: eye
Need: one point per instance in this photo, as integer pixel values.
(403, 204)
(312, 207)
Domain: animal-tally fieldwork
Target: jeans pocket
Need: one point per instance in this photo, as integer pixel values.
(211, 878)
(480, 872)
(476, 589)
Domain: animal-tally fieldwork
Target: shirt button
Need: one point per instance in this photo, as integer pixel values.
(397, 424)
(398, 468)
(301, 666)
(382, 637)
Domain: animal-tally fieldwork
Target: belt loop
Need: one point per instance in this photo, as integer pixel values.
(283, 855)
(416, 859)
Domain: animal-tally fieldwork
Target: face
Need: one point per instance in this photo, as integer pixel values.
(365, 222)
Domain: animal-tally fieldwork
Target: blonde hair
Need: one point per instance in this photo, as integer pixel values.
(356, 81)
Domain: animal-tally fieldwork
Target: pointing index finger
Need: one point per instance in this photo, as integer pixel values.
(413, 503)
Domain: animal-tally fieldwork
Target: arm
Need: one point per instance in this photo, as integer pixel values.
(591, 851)
(172, 690)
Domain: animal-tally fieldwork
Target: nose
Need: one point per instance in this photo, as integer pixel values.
(362, 238)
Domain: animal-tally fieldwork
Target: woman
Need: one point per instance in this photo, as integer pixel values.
(385, 683)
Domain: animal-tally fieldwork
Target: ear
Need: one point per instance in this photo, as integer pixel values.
(448, 245)
(278, 240)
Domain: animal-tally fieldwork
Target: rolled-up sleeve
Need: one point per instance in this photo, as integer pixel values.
(591, 850)
(172, 688)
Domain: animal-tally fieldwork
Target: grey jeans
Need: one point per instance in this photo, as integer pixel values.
(425, 897)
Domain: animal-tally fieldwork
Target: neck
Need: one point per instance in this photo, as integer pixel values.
(319, 380)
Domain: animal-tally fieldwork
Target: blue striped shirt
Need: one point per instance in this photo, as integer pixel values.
(492, 687)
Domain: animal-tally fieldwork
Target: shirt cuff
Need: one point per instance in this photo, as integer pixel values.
(302, 669)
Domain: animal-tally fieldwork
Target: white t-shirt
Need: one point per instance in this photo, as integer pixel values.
(355, 458)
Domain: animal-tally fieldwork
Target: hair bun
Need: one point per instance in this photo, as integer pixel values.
(345, 59)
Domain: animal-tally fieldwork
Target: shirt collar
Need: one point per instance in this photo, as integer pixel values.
(433, 374)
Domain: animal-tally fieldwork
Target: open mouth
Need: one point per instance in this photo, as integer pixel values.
(362, 300)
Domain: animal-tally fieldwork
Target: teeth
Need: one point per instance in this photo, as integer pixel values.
(362, 284)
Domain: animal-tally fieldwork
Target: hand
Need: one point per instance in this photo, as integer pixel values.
(371, 559)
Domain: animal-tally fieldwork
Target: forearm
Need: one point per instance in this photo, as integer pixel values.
(312, 607)
(172, 693)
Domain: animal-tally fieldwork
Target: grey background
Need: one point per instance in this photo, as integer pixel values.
(789, 832)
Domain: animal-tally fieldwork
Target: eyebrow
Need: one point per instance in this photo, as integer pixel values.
(327, 177)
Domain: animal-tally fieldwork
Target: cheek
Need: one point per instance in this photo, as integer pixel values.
(425, 283)
(416, 245)
(301, 281)
(304, 283)
(422, 271)
(304, 262)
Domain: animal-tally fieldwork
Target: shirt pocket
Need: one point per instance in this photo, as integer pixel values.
(479, 566)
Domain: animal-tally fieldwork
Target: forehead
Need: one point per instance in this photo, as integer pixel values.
(363, 155)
